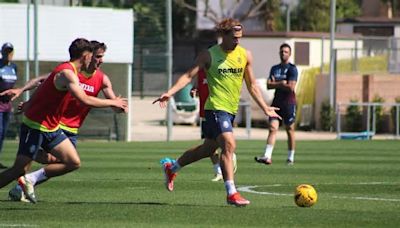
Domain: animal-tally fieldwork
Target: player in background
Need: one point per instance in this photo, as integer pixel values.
(282, 78)
(8, 77)
(201, 89)
(41, 121)
(226, 64)
(94, 80)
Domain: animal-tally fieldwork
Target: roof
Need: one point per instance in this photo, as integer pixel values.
(299, 34)
(370, 20)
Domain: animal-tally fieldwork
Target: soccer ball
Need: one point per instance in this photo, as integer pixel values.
(305, 195)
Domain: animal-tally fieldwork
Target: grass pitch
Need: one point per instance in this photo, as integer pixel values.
(121, 185)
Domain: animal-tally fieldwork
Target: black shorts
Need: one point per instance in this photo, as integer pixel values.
(32, 139)
(217, 122)
(286, 111)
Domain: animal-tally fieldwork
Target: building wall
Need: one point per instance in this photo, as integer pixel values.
(265, 52)
(362, 88)
(55, 32)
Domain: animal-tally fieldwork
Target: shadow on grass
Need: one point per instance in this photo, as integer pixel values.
(143, 203)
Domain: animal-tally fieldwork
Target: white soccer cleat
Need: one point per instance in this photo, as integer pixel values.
(217, 177)
(27, 188)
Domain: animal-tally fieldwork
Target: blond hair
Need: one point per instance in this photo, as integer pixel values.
(227, 24)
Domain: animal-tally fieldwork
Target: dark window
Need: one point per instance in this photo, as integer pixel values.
(374, 31)
(302, 53)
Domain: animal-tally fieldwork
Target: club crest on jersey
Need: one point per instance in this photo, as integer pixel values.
(87, 88)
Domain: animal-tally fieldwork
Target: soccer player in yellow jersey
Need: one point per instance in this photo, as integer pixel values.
(226, 65)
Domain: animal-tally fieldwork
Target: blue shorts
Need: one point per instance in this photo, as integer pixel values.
(72, 137)
(217, 122)
(286, 111)
(31, 140)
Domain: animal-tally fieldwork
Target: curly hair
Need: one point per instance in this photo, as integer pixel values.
(227, 24)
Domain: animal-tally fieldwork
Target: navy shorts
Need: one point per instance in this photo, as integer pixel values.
(217, 122)
(287, 112)
(72, 137)
(31, 140)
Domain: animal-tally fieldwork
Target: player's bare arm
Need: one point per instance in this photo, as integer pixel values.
(202, 61)
(67, 80)
(109, 93)
(285, 85)
(254, 90)
(31, 84)
(107, 88)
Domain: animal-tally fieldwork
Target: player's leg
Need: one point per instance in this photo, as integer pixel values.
(227, 142)
(45, 157)
(269, 147)
(4, 120)
(68, 156)
(171, 167)
(29, 143)
(290, 130)
(216, 166)
(18, 169)
(214, 157)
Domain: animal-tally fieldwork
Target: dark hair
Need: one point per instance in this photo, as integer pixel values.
(285, 45)
(96, 45)
(78, 46)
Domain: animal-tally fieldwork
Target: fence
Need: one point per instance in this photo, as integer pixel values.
(363, 120)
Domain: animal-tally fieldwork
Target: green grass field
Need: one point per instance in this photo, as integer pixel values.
(121, 185)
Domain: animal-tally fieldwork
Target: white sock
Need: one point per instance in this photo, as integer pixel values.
(230, 187)
(217, 169)
(290, 155)
(175, 167)
(36, 176)
(268, 151)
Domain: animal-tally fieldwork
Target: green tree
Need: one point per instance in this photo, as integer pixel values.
(314, 15)
(327, 116)
(353, 117)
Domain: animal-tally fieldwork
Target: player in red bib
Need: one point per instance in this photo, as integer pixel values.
(92, 80)
(42, 116)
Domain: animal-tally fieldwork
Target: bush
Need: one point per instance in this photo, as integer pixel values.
(353, 117)
(393, 114)
(379, 115)
(326, 116)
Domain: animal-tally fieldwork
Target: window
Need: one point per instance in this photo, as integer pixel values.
(302, 53)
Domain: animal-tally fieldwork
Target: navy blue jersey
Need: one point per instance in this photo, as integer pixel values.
(286, 72)
(8, 77)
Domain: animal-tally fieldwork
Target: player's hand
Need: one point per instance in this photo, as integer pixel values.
(163, 99)
(12, 93)
(120, 102)
(270, 111)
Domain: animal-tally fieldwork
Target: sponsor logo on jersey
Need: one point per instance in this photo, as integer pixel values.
(87, 88)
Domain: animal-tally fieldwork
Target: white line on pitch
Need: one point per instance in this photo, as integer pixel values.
(250, 189)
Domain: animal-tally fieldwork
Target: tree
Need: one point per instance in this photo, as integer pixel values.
(267, 10)
(314, 15)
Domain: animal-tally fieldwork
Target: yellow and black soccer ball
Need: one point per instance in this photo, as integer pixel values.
(305, 195)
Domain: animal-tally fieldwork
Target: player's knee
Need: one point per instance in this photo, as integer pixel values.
(73, 165)
(273, 130)
(230, 148)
